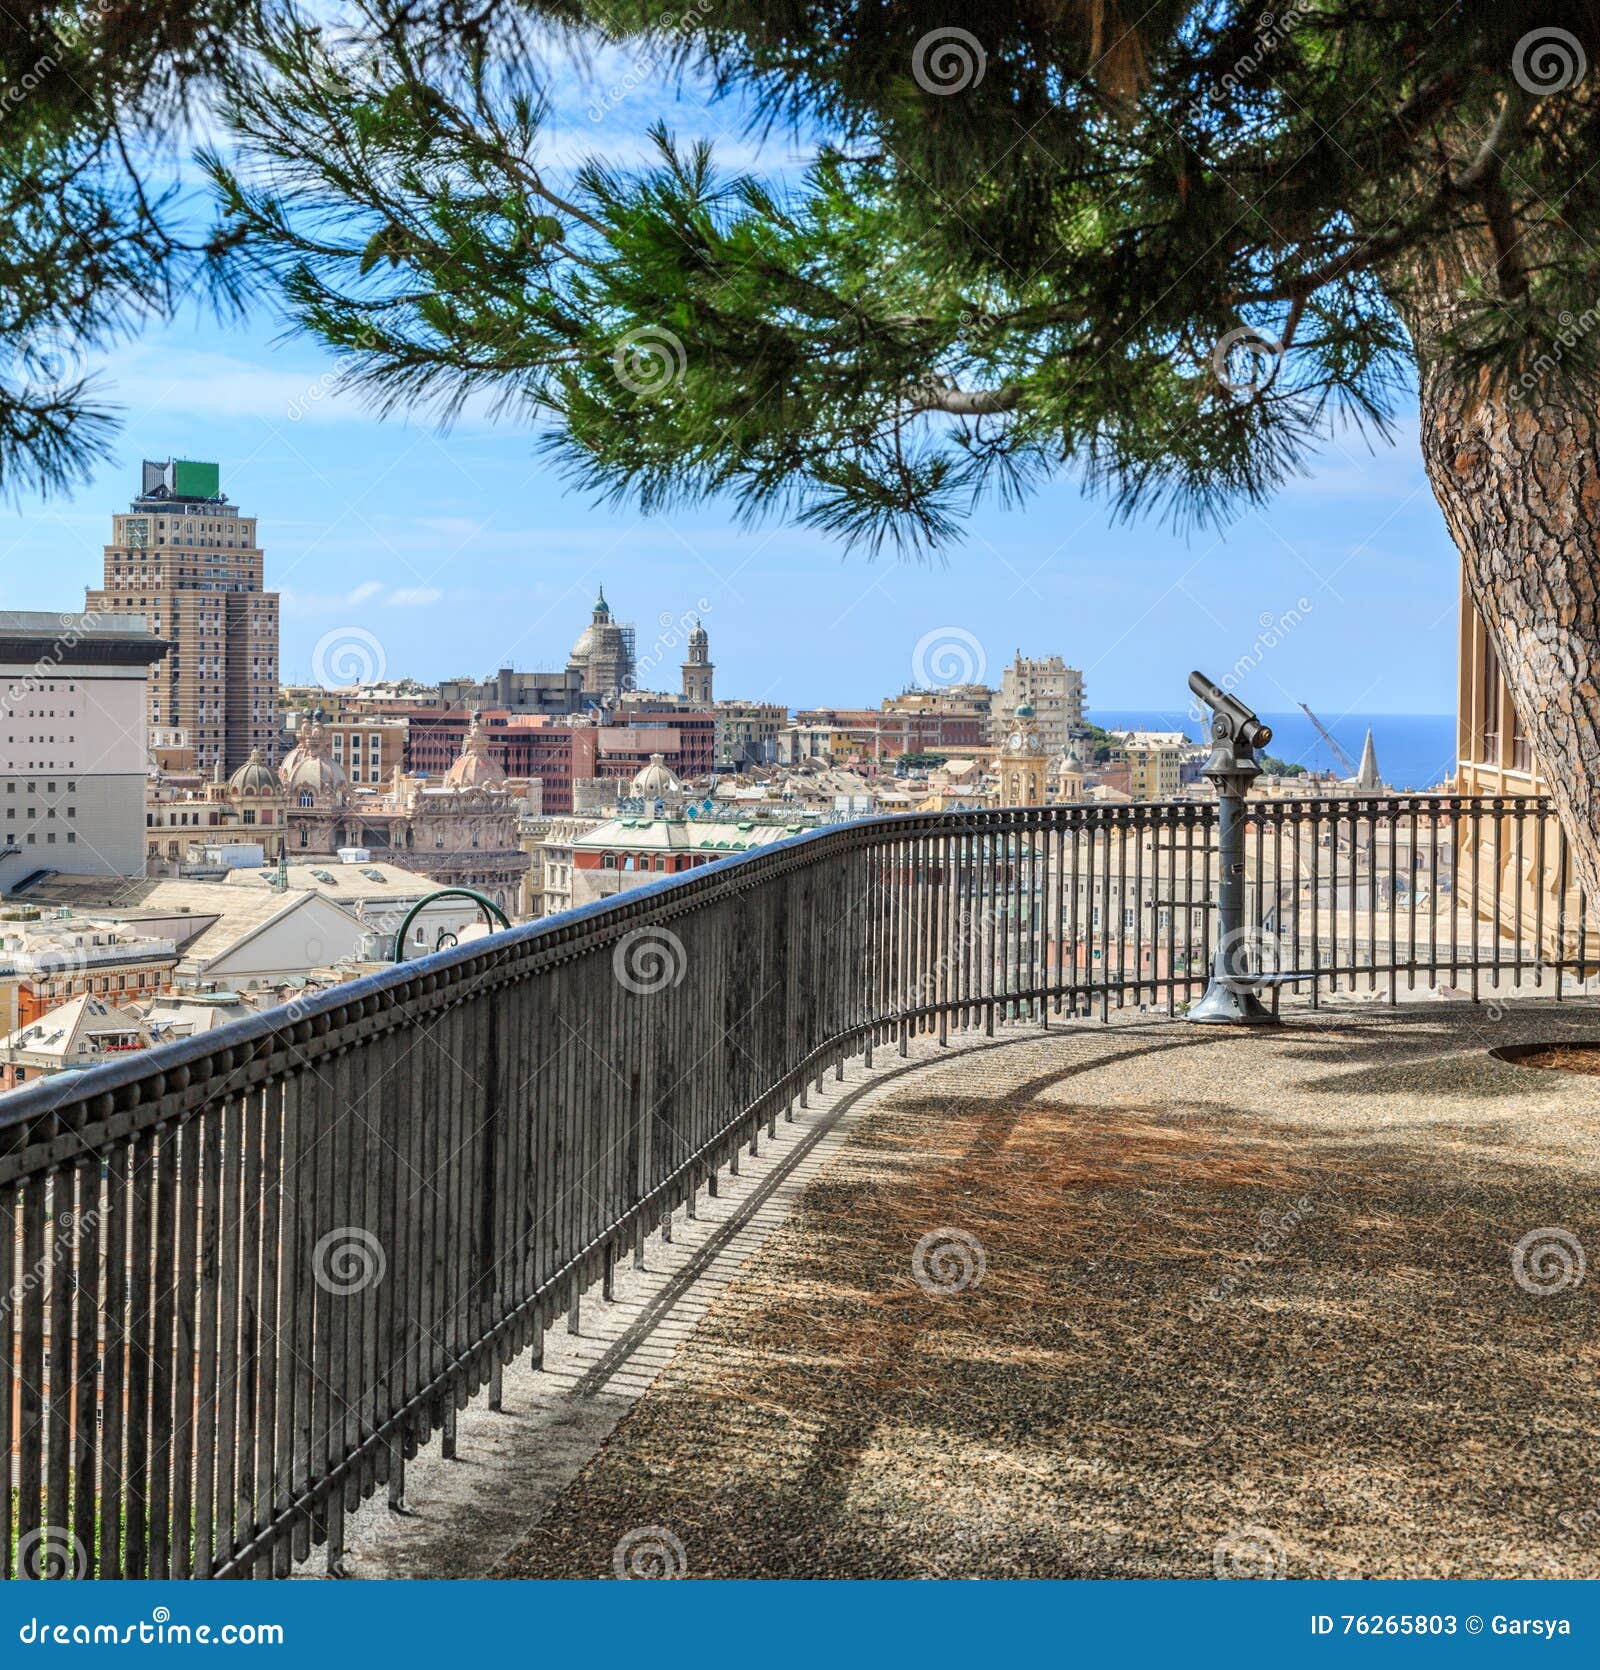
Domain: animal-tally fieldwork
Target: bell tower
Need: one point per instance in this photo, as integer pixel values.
(697, 670)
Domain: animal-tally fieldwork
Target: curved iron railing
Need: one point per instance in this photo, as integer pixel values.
(253, 1271)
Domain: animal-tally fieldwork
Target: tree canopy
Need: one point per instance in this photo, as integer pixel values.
(92, 100)
(1166, 245)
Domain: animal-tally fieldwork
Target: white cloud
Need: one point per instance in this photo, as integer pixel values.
(413, 597)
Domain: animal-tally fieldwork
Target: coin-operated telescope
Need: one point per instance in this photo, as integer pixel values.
(1235, 733)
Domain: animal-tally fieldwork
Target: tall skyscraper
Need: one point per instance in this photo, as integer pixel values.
(185, 558)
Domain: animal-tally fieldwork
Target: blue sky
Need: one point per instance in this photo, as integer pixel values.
(459, 551)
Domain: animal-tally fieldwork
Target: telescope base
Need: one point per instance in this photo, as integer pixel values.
(1224, 1006)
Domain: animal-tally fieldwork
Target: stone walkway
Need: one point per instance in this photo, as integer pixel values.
(1108, 1302)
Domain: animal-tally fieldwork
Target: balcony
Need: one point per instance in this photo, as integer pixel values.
(308, 1242)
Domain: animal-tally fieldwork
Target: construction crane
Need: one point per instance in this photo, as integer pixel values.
(1346, 764)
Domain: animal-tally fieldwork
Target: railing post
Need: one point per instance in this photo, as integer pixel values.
(1230, 999)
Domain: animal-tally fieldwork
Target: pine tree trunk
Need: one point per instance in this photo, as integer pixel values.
(1518, 479)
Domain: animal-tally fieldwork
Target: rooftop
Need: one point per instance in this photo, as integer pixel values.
(682, 835)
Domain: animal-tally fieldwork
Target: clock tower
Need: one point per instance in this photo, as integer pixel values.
(1022, 762)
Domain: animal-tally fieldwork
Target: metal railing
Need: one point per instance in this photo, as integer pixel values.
(252, 1272)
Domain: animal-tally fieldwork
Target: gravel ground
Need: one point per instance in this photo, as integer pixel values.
(1194, 1302)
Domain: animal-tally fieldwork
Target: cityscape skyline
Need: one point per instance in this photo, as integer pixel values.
(463, 552)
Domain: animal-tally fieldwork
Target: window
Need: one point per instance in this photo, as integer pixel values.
(1489, 694)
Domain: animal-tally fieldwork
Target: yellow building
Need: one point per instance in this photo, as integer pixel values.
(1155, 766)
(1022, 761)
(1495, 757)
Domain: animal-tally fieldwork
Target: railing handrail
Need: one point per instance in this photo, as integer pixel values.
(488, 1129)
(568, 928)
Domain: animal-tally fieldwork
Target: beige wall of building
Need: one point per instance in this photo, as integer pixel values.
(1494, 757)
(1155, 769)
(1051, 688)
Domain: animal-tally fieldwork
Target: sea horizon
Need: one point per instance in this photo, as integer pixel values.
(1415, 750)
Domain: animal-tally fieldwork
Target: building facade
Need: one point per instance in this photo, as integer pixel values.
(184, 559)
(72, 743)
(1051, 688)
(1495, 757)
(1154, 764)
(747, 733)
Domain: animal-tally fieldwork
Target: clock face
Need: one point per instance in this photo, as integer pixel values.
(138, 534)
(1016, 739)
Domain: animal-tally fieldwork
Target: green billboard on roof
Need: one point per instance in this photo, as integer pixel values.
(195, 481)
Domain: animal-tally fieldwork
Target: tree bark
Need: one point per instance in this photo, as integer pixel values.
(1518, 479)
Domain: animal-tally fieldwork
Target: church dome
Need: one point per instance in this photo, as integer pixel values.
(591, 637)
(308, 768)
(255, 777)
(655, 781)
(475, 767)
